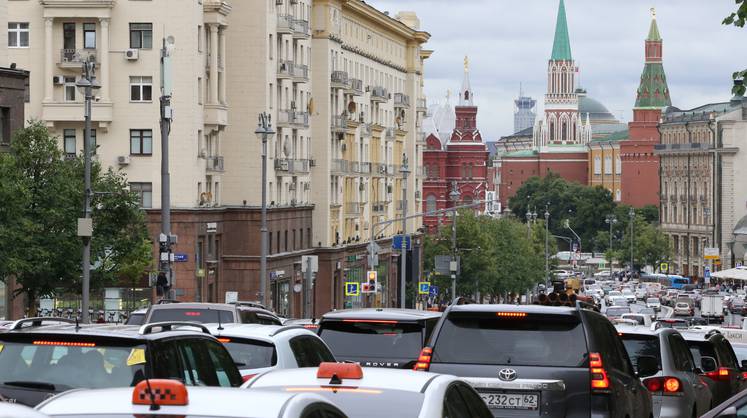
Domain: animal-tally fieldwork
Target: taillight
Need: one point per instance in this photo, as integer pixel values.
(722, 374)
(663, 385)
(599, 380)
(424, 360)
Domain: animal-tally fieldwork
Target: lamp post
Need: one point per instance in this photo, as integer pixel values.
(264, 133)
(547, 233)
(531, 216)
(454, 196)
(631, 214)
(610, 220)
(405, 170)
(166, 240)
(87, 83)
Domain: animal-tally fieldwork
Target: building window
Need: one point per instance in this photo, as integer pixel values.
(70, 88)
(618, 195)
(18, 34)
(89, 35)
(597, 165)
(141, 89)
(618, 165)
(93, 142)
(430, 203)
(69, 142)
(4, 125)
(199, 90)
(144, 192)
(199, 38)
(68, 40)
(608, 165)
(141, 141)
(141, 35)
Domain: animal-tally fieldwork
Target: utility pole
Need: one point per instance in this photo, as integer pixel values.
(610, 220)
(166, 240)
(405, 170)
(547, 233)
(631, 214)
(85, 225)
(454, 196)
(264, 132)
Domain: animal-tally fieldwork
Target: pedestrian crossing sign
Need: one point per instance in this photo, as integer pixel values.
(352, 289)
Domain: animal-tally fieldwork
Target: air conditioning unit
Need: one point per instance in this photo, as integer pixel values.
(312, 163)
(123, 160)
(58, 79)
(344, 147)
(132, 54)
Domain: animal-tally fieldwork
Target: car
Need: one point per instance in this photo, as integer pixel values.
(11, 410)
(736, 306)
(40, 357)
(734, 407)
(629, 295)
(677, 389)
(378, 337)
(653, 303)
(137, 317)
(676, 323)
(258, 348)
(740, 350)
(616, 311)
(308, 323)
(648, 311)
(618, 301)
(611, 294)
(368, 392)
(715, 357)
(207, 313)
(683, 309)
(171, 398)
(512, 355)
(639, 318)
(641, 293)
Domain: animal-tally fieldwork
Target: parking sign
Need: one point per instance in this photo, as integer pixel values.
(352, 289)
(424, 288)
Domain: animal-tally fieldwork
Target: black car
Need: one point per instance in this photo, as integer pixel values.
(528, 361)
(378, 337)
(714, 355)
(38, 360)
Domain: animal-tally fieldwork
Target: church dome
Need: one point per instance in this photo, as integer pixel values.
(440, 121)
(597, 112)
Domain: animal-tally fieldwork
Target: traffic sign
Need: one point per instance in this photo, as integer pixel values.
(424, 288)
(664, 267)
(434, 290)
(711, 253)
(707, 273)
(352, 289)
(397, 242)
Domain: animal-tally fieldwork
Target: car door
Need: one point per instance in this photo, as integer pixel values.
(637, 396)
(684, 363)
(309, 351)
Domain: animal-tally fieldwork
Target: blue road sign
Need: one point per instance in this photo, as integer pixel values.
(707, 273)
(352, 289)
(424, 288)
(180, 257)
(397, 242)
(434, 291)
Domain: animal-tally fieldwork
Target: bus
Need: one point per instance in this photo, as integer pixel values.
(673, 281)
(677, 281)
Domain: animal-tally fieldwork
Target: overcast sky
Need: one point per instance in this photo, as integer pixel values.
(509, 41)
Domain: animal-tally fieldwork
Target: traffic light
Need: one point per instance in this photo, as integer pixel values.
(372, 281)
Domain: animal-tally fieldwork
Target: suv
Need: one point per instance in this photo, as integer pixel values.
(208, 313)
(715, 357)
(39, 360)
(539, 361)
(378, 337)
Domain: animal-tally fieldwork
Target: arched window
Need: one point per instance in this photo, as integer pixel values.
(552, 131)
(466, 95)
(618, 195)
(430, 203)
(564, 132)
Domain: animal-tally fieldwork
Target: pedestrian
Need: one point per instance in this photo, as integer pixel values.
(162, 285)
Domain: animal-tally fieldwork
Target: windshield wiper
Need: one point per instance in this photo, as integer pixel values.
(32, 385)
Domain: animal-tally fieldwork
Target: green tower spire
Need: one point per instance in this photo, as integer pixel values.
(653, 92)
(653, 31)
(561, 47)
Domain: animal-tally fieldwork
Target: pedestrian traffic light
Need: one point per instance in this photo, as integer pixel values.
(372, 279)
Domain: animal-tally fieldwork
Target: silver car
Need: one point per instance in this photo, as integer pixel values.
(677, 390)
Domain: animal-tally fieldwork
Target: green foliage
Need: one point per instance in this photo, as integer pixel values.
(43, 197)
(738, 19)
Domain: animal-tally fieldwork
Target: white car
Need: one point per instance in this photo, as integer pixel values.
(258, 348)
(205, 402)
(612, 294)
(376, 392)
(618, 301)
(653, 303)
(641, 293)
(682, 308)
(629, 295)
(12, 410)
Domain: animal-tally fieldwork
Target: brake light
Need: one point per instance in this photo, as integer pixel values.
(511, 314)
(599, 380)
(328, 370)
(65, 343)
(311, 326)
(721, 374)
(160, 392)
(663, 385)
(672, 385)
(193, 313)
(371, 321)
(424, 360)
(224, 340)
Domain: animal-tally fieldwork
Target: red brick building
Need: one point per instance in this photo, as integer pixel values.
(640, 167)
(460, 158)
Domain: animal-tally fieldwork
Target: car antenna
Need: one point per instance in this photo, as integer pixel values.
(153, 405)
(220, 326)
(77, 325)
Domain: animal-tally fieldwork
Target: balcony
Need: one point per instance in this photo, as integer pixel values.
(214, 163)
(366, 130)
(73, 112)
(422, 105)
(340, 166)
(74, 58)
(352, 208)
(285, 69)
(339, 79)
(292, 166)
(378, 207)
(216, 114)
(379, 169)
(401, 100)
(379, 94)
(339, 124)
(364, 168)
(301, 29)
(355, 87)
(293, 119)
(300, 73)
(285, 24)
(389, 134)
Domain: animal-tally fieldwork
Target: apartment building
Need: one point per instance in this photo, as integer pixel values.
(367, 114)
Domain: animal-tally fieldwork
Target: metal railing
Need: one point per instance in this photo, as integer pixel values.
(300, 72)
(365, 168)
(301, 28)
(401, 100)
(292, 165)
(285, 68)
(356, 86)
(340, 166)
(339, 123)
(339, 77)
(293, 118)
(285, 23)
(77, 56)
(352, 208)
(215, 163)
(379, 93)
(379, 168)
(422, 104)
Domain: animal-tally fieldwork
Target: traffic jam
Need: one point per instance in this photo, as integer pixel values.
(651, 346)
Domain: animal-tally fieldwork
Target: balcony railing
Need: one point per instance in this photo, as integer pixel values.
(293, 119)
(366, 130)
(379, 94)
(389, 134)
(301, 28)
(339, 79)
(340, 166)
(380, 169)
(285, 24)
(339, 123)
(285, 69)
(300, 73)
(422, 105)
(378, 207)
(401, 100)
(352, 208)
(355, 87)
(214, 163)
(364, 168)
(291, 165)
(76, 57)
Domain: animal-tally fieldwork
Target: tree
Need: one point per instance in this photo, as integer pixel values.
(738, 19)
(43, 195)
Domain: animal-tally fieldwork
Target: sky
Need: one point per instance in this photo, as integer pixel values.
(509, 42)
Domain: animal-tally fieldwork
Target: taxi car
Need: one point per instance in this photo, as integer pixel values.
(364, 392)
(39, 360)
(171, 398)
(259, 348)
(11, 410)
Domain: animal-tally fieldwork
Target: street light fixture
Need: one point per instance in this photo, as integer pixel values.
(264, 133)
(610, 220)
(87, 83)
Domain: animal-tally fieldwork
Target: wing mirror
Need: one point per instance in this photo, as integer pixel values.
(708, 364)
(647, 366)
(744, 365)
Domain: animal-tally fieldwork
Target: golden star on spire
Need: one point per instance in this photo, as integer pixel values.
(653, 13)
(466, 64)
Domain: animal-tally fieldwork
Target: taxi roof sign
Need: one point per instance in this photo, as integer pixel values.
(328, 370)
(160, 392)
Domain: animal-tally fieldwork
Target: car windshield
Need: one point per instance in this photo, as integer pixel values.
(66, 364)
(202, 315)
(136, 319)
(616, 311)
(485, 338)
(373, 339)
(250, 354)
(652, 300)
(641, 345)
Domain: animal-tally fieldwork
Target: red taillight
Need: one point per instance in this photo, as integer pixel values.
(65, 343)
(722, 374)
(511, 314)
(672, 385)
(663, 385)
(424, 360)
(599, 380)
(371, 321)
(653, 384)
(247, 377)
(192, 313)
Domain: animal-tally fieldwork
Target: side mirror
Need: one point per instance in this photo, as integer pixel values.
(730, 412)
(697, 370)
(744, 365)
(647, 366)
(708, 364)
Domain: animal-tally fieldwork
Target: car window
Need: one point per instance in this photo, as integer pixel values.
(201, 370)
(477, 407)
(309, 351)
(225, 369)
(249, 316)
(135, 319)
(201, 315)
(251, 354)
(430, 325)
(166, 361)
(485, 338)
(701, 349)
(372, 339)
(454, 405)
(607, 343)
(642, 345)
(725, 353)
(683, 358)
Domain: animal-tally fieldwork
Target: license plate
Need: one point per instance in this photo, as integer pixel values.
(511, 400)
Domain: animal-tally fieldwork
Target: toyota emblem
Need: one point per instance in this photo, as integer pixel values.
(507, 375)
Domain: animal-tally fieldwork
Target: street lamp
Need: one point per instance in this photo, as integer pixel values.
(264, 133)
(610, 220)
(631, 214)
(87, 83)
(531, 216)
(547, 229)
(454, 196)
(405, 170)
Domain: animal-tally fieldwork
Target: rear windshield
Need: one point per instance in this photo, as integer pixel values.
(362, 339)
(54, 364)
(201, 315)
(642, 345)
(251, 354)
(702, 349)
(617, 311)
(253, 317)
(484, 338)
(741, 351)
(136, 319)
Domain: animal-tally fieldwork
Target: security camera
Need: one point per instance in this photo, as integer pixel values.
(97, 98)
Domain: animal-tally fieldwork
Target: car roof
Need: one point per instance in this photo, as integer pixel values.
(130, 332)
(644, 330)
(530, 309)
(382, 313)
(194, 305)
(12, 410)
(256, 331)
(202, 402)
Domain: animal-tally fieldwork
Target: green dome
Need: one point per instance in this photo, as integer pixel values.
(596, 110)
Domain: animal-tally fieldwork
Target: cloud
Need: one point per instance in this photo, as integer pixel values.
(509, 42)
